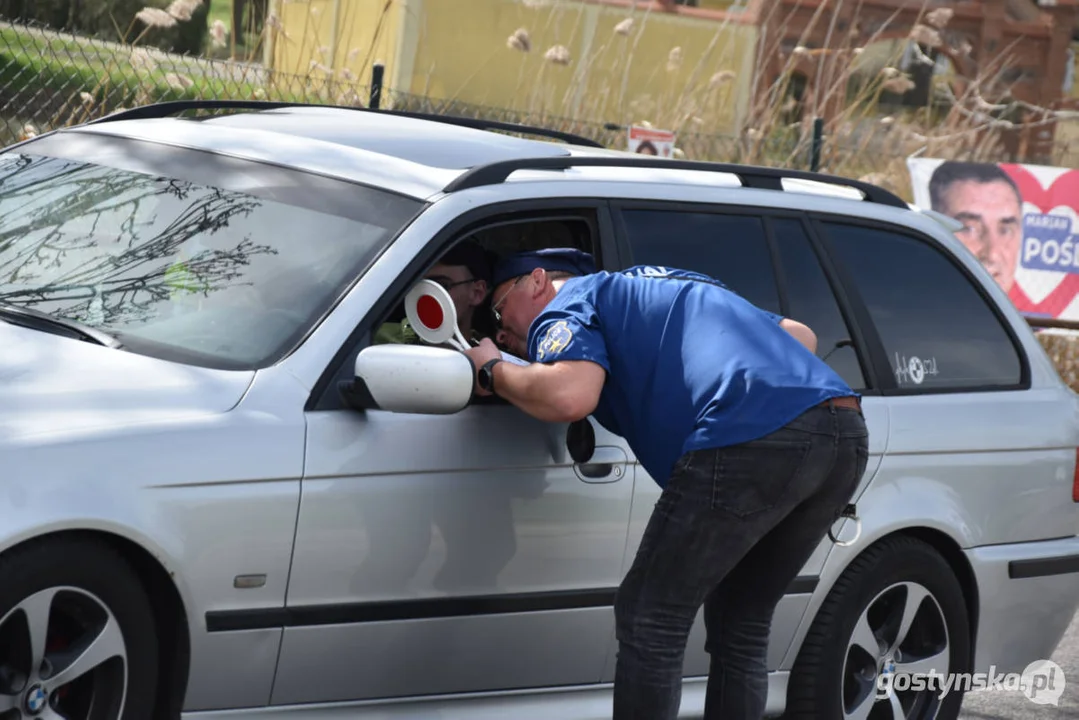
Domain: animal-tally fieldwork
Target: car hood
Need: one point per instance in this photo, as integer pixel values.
(52, 385)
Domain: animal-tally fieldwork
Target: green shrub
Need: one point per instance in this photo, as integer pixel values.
(50, 80)
(110, 19)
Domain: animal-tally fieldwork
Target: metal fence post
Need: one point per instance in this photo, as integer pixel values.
(377, 71)
(818, 140)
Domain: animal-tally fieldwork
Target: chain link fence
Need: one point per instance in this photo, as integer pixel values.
(691, 145)
(50, 79)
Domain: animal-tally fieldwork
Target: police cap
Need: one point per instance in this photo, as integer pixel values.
(570, 260)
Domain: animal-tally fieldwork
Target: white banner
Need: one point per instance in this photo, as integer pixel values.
(1021, 222)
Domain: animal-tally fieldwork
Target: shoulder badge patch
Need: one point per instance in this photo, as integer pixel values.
(556, 340)
(648, 271)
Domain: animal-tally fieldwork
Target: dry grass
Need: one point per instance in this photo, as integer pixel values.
(966, 117)
(1062, 347)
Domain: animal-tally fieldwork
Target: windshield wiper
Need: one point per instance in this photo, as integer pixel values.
(28, 317)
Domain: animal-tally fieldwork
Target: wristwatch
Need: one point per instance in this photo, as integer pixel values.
(486, 376)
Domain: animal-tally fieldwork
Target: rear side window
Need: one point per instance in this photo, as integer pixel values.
(810, 300)
(938, 330)
(731, 248)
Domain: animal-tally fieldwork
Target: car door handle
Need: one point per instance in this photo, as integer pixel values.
(607, 464)
(594, 470)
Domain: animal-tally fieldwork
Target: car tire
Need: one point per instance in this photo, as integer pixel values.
(833, 675)
(95, 609)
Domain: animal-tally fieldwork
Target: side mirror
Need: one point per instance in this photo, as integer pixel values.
(413, 379)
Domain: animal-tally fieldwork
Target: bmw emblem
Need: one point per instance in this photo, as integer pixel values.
(36, 699)
(917, 370)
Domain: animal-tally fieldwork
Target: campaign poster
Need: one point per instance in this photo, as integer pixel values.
(1020, 221)
(649, 141)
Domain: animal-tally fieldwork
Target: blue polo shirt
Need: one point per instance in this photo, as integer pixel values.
(690, 364)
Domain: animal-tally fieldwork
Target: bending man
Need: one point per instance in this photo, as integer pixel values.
(756, 443)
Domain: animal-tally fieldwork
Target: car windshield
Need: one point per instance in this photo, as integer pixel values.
(190, 272)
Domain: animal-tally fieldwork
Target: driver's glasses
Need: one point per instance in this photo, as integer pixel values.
(449, 283)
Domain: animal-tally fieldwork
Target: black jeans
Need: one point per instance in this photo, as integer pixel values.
(730, 531)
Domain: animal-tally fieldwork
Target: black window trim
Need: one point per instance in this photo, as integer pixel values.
(323, 394)
(849, 310)
(890, 387)
(855, 321)
(777, 265)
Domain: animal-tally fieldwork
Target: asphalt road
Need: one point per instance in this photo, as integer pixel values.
(1012, 705)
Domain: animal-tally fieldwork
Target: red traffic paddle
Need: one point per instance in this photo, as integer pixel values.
(433, 316)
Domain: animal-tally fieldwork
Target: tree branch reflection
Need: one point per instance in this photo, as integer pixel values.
(110, 247)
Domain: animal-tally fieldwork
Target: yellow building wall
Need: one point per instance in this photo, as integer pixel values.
(680, 73)
(335, 40)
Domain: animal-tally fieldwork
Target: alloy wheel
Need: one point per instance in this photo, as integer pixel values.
(62, 657)
(902, 632)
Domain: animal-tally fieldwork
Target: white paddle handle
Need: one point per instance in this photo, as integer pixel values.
(458, 340)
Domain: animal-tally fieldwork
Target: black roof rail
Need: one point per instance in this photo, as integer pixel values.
(174, 107)
(765, 178)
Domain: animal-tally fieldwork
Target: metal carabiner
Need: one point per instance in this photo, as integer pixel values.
(848, 513)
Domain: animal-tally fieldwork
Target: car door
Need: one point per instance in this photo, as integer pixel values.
(952, 364)
(450, 554)
(768, 257)
(972, 433)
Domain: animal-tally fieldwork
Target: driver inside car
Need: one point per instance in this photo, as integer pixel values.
(465, 272)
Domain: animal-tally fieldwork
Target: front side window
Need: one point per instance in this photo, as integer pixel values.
(177, 269)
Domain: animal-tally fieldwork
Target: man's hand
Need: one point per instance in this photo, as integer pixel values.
(480, 356)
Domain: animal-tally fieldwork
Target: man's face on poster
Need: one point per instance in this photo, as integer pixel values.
(993, 220)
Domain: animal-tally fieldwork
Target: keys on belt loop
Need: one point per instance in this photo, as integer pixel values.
(850, 511)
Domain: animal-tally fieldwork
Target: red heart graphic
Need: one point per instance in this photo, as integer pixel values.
(1063, 191)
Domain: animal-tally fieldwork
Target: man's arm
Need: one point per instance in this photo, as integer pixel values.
(562, 391)
(801, 333)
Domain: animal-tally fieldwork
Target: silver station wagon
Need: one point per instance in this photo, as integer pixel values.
(221, 498)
